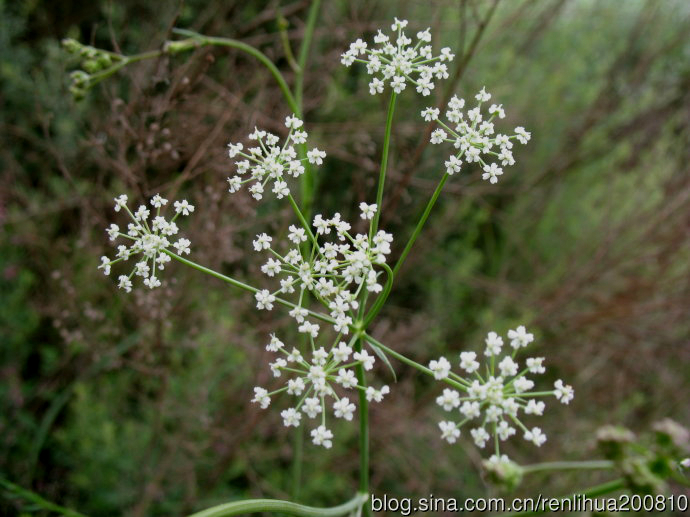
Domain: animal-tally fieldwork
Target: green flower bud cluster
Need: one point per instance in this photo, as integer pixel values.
(95, 65)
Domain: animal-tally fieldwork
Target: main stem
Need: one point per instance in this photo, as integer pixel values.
(384, 164)
(363, 432)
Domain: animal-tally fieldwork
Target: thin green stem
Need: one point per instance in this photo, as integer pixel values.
(307, 180)
(286, 507)
(304, 54)
(378, 304)
(568, 465)
(410, 362)
(384, 165)
(298, 445)
(595, 491)
(248, 49)
(243, 286)
(36, 500)
(421, 223)
(363, 431)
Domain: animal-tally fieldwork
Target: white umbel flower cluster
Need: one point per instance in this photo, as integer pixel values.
(334, 267)
(150, 239)
(313, 383)
(474, 136)
(270, 162)
(394, 61)
(494, 399)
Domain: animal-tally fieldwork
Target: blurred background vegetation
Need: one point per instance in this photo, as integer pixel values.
(139, 404)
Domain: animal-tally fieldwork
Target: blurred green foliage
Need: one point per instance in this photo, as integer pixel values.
(138, 405)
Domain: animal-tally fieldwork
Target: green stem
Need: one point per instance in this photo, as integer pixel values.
(297, 462)
(568, 465)
(243, 286)
(307, 181)
(595, 491)
(384, 165)
(363, 431)
(36, 500)
(378, 304)
(286, 507)
(304, 54)
(248, 49)
(421, 223)
(410, 362)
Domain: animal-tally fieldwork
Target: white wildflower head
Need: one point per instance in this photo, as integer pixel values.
(399, 60)
(329, 262)
(321, 383)
(474, 136)
(267, 163)
(149, 238)
(493, 399)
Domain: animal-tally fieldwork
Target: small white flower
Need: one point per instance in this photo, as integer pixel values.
(120, 202)
(312, 407)
(105, 265)
(430, 114)
(508, 367)
(398, 84)
(504, 430)
(366, 359)
(368, 211)
(296, 386)
(453, 165)
(342, 352)
(157, 201)
(520, 337)
(182, 247)
(522, 135)
(346, 378)
(297, 235)
(261, 397)
(449, 400)
(125, 283)
(494, 343)
(440, 368)
(234, 149)
(262, 242)
(534, 364)
(183, 207)
(535, 407)
(315, 156)
(292, 122)
(275, 344)
(264, 300)
(491, 173)
(468, 361)
(291, 417)
(536, 436)
(344, 408)
(322, 436)
(449, 431)
(470, 409)
(113, 231)
(563, 392)
(483, 96)
(438, 136)
(480, 436)
(376, 395)
(522, 384)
